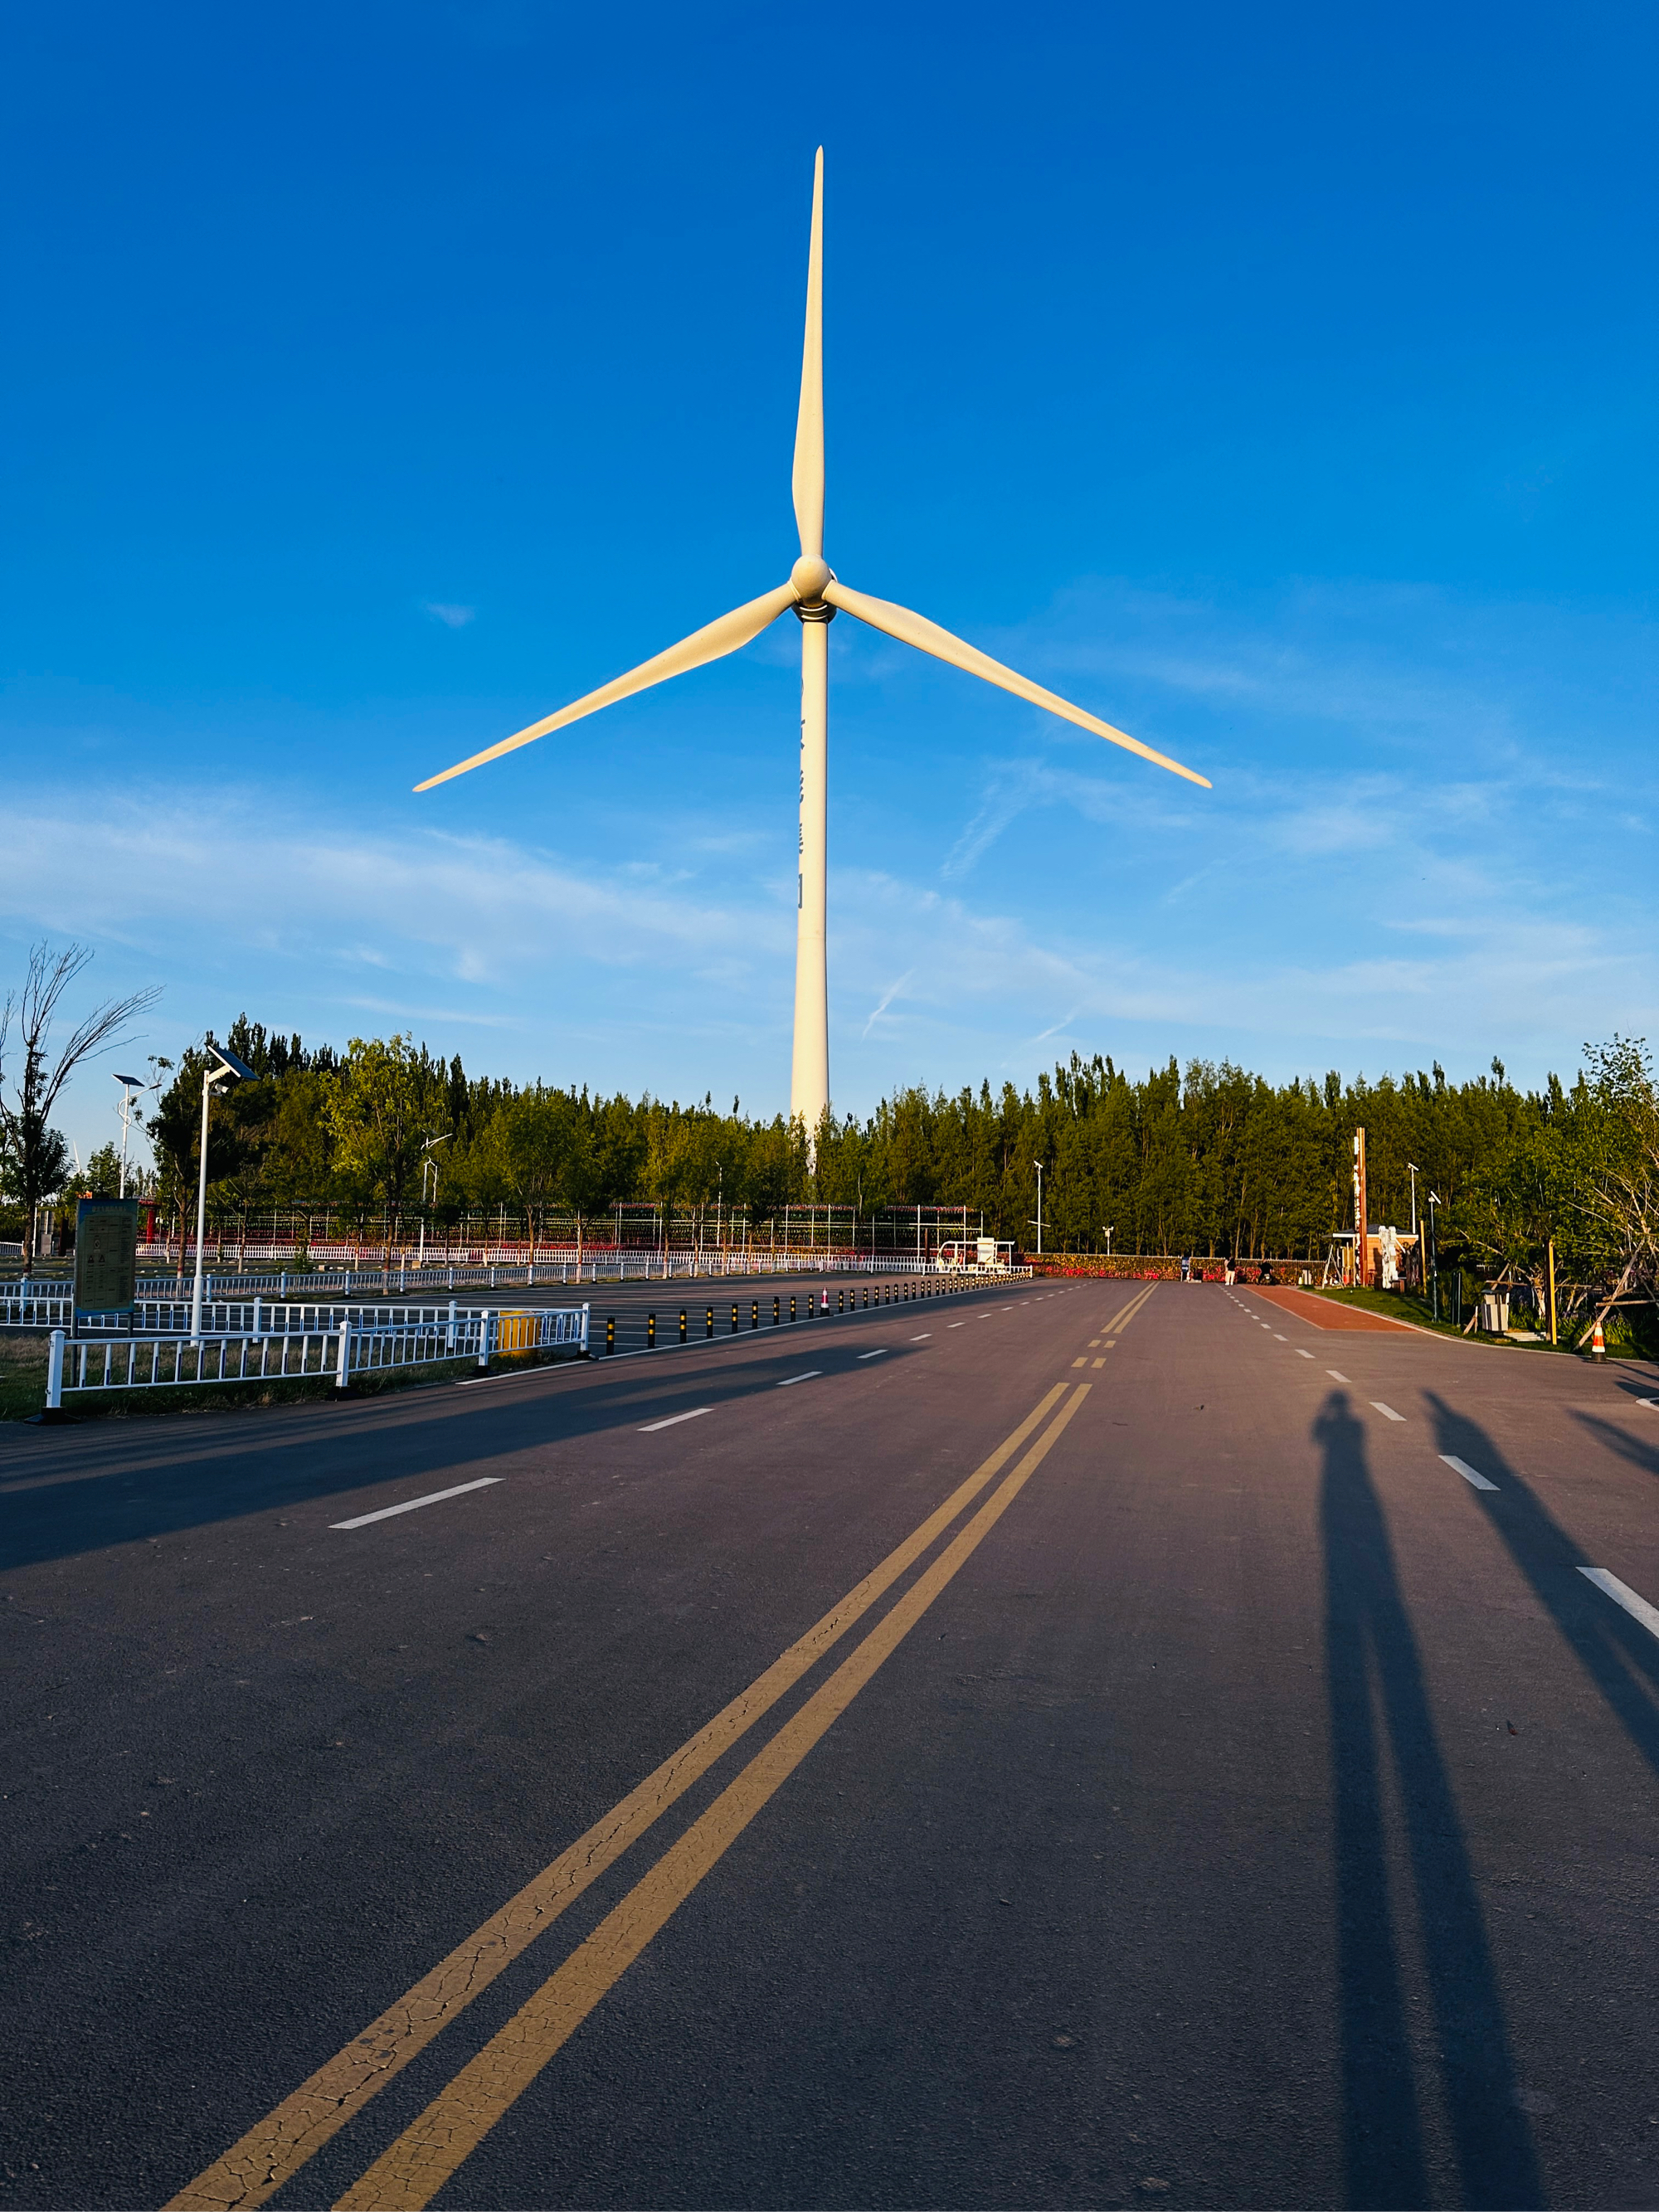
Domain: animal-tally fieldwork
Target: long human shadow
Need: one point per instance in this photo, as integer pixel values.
(1617, 1653)
(1379, 1710)
(48, 1510)
(1633, 1448)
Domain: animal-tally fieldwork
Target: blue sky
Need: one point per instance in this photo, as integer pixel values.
(1278, 384)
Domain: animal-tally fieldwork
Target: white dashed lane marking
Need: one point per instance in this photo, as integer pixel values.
(1622, 1593)
(1387, 1411)
(674, 1420)
(1469, 1473)
(875, 1354)
(413, 1505)
(1301, 1354)
(1335, 1376)
(811, 1375)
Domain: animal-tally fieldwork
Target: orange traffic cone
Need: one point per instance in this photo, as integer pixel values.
(1598, 1343)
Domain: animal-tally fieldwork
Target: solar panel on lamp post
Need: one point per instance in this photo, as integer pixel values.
(228, 1069)
(129, 1084)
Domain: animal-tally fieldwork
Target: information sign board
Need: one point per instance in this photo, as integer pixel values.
(106, 1255)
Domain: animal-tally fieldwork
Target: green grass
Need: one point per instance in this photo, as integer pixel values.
(1408, 1305)
(23, 1373)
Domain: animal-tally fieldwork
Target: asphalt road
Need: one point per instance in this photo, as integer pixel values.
(1181, 1784)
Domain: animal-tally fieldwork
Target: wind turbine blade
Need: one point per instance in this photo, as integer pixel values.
(929, 637)
(712, 642)
(807, 483)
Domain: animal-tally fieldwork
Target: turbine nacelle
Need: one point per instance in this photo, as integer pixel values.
(807, 579)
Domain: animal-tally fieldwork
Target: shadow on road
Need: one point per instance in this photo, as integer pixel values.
(1616, 1652)
(1644, 1455)
(1379, 1711)
(124, 1482)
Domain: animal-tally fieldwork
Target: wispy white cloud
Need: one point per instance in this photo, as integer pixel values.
(451, 615)
(1411, 852)
(884, 1002)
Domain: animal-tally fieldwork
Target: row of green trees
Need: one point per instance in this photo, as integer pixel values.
(1208, 1159)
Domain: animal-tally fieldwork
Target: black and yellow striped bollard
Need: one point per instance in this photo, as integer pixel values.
(610, 1334)
(682, 1324)
(651, 1332)
(708, 1323)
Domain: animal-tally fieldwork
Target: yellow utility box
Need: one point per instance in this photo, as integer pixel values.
(518, 1332)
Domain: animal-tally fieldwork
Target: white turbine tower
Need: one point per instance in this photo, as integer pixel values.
(815, 595)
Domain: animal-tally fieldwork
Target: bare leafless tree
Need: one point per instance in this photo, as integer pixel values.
(39, 1155)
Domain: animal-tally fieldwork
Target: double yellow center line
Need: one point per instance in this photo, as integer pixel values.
(1126, 1313)
(410, 2172)
(1119, 1322)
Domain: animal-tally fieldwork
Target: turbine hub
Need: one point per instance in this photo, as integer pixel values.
(808, 578)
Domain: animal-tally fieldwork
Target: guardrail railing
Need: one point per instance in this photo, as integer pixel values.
(47, 1304)
(255, 1316)
(348, 1348)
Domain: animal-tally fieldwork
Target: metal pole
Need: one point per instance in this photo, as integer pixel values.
(126, 1110)
(201, 1215)
(809, 1081)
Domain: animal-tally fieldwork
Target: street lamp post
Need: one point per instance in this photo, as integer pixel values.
(1037, 1164)
(1107, 1226)
(432, 1166)
(1434, 1255)
(131, 1085)
(223, 1067)
(1414, 1171)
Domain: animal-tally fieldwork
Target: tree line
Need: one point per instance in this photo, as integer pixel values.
(1208, 1158)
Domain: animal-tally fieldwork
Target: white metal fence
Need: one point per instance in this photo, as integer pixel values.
(46, 1302)
(347, 1348)
(41, 1308)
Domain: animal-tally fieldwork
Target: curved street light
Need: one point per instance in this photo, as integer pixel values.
(223, 1067)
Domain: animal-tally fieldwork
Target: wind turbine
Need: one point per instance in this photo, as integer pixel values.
(815, 595)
